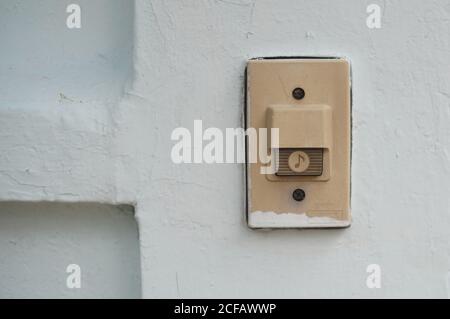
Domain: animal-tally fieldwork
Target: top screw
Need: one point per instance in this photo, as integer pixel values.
(298, 93)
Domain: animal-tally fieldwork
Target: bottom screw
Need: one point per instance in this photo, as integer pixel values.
(299, 195)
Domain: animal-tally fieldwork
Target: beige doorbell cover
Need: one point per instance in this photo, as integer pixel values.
(309, 101)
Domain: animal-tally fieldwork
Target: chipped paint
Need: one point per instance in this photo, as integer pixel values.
(258, 219)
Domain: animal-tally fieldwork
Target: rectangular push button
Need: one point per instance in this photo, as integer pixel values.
(301, 126)
(300, 162)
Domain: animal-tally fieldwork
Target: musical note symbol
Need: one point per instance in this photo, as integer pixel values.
(300, 161)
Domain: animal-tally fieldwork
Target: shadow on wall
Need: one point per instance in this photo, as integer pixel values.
(47, 250)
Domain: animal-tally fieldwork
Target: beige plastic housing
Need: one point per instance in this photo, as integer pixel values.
(314, 142)
(303, 126)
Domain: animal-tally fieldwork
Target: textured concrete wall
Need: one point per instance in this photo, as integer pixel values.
(40, 240)
(59, 89)
(189, 64)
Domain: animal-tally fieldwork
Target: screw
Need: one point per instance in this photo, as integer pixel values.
(299, 195)
(298, 93)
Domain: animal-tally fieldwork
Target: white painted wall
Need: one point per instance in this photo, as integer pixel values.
(189, 60)
(40, 240)
(58, 91)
